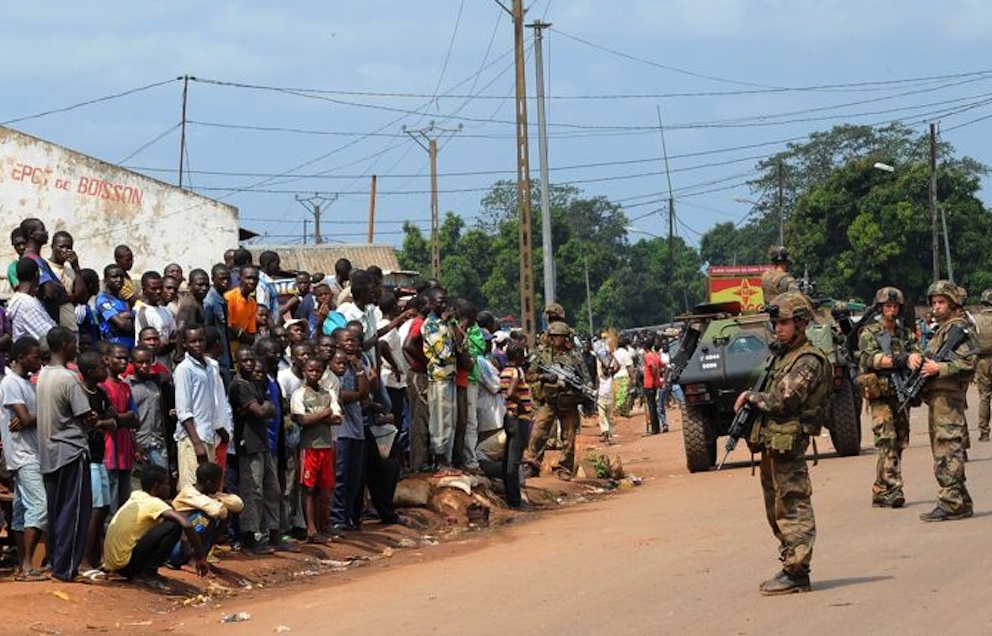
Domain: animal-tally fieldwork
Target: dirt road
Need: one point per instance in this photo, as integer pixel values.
(681, 555)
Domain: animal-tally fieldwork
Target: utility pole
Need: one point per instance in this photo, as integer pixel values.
(550, 282)
(671, 222)
(313, 204)
(947, 246)
(431, 134)
(372, 212)
(933, 200)
(182, 131)
(304, 231)
(589, 297)
(781, 221)
(525, 245)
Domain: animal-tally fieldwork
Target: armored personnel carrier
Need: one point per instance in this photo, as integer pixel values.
(720, 354)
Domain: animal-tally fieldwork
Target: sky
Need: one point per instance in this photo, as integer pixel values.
(307, 98)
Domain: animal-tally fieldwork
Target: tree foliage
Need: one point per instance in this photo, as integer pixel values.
(628, 282)
(856, 227)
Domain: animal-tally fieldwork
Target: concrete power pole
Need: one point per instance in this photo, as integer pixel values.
(313, 204)
(550, 278)
(431, 134)
(933, 201)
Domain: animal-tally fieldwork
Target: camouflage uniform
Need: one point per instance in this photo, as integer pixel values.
(983, 369)
(793, 408)
(889, 423)
(775, 282)
(945, 394)
(555, 401)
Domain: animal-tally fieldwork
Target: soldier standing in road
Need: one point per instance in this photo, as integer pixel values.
(886, 346)
(983, 369)
(945, 395)
(792, 408)
(777, 279)
(556, 399)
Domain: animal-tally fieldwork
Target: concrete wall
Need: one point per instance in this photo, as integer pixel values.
(103, 205)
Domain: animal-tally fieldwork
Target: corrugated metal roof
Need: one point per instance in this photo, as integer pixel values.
(321, 258)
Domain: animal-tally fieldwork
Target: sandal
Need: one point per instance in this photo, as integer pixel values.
(448, 472)
(32, 575)
(319, 539)
(94, 575)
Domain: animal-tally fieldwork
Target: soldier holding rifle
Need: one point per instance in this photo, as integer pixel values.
(946, 386)
(790, 408)
(887, 346)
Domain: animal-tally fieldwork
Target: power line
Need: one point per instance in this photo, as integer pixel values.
(89, 102)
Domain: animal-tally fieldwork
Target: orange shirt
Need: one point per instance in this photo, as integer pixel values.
(241, 311)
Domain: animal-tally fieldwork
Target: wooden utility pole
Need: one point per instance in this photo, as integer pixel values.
(781, 218)
(523, 180)
(313, 204)
(431, 134)
(933, 200)
(372, 212)
(182, 130)
(304, 231)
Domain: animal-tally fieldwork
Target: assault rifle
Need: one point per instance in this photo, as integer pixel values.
(744, 419)
(900, 376)
(916, 381)
(568, 377)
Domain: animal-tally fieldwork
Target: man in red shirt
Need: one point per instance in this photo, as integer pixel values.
(652, 382)
(413, 351)
(119, 455)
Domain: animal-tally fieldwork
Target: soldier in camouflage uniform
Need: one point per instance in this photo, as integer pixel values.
(983, 370)
(777, 279)
(945, 395)
(792, 408)
(555, 399)
(886, 346)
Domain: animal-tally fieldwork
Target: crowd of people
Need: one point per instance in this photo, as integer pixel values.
(146, 417)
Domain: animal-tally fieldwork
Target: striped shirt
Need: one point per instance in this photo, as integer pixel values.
(520, 406)
(28, 317)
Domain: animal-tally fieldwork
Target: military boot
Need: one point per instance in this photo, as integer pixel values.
(939, 514)
(785, 583)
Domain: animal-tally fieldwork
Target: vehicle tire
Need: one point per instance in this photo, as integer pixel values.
(700, 446)
(845, 427)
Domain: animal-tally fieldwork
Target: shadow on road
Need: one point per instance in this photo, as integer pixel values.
(832, 583)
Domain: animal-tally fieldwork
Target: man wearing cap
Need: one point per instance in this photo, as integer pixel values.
(886, 347)
(556, 400)
(983, 369)
(777, 279)
(945, 395)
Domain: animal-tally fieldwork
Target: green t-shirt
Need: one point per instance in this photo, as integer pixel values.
(12, 273)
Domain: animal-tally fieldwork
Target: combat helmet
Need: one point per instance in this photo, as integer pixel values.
(889, 295)
(555, 310)
(790, 305)
(954, 293)
(558, 328)
(779, 255)
(987, 297)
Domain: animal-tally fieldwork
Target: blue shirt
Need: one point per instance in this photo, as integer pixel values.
(352, 424)
(275, 423)
(215, 315)
(108, 306)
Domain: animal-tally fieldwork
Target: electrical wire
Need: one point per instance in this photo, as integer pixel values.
(150, 143)
(89, 102)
